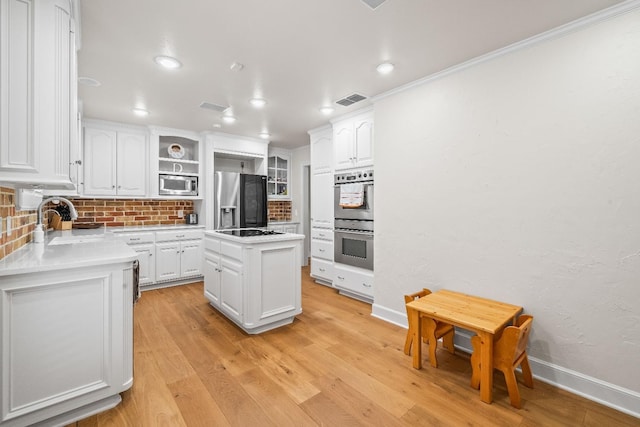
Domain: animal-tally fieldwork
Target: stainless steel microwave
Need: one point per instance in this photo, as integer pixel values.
(178, 185)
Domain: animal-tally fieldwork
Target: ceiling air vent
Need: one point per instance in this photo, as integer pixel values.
(212, 106)
(373, 4)
(350, 100)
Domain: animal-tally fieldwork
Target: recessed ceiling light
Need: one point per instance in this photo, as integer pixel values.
(258, 102)
(229, 119)
(167, 62)
(385, 68)
(326, 110)
(140, 112)
(264, 135)
(217, 125)
(88, 81)
(236, 66)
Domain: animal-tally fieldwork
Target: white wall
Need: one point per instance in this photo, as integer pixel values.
(520, 180)
(300, 156)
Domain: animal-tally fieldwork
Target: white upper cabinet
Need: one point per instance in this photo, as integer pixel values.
(114, 162)
(38, 107)
(321, 151)
(279, 174)
(353, 142)
(322, 178)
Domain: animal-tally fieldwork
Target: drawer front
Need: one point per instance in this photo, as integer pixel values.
(322, 234)
(321, 268)
(231, 250)
(167, 236)
(136, 238)
(322, 249)
(355, 281)
(211, 244)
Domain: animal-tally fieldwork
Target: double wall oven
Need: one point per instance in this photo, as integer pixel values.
(353, 215)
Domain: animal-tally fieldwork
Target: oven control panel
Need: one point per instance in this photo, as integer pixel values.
(354, 176)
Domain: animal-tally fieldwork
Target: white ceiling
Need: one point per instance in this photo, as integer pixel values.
(297, 54)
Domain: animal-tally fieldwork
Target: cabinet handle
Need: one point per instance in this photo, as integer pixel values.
(181, 235)
(183, 251)
(321, 250)
(113, 187)
(150, 254)
(133, 240)
(321, 269)
(178, 252)
(366, 286)
(119, 187)
(340, 277)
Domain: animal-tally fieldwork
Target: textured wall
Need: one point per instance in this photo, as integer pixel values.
(279, 210)
(132, 212)
(22, 223)
(518, 180)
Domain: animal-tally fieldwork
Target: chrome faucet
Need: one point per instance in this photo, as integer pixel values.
(38, 233)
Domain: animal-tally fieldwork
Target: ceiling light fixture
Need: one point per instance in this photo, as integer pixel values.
(140, 112)
(385, 68)
(326, 110)
(228, 119)
(167, 62)
(236, 66)
(264, 135)
(258, 102)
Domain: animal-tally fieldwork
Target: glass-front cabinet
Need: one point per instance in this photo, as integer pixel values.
(278, 174)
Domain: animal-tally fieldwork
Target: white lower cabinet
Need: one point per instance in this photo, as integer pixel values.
(144, 244)
(354, 282)
(67, 343)
(146, 257)
(322, 255)
(166, 256)
(255, 283)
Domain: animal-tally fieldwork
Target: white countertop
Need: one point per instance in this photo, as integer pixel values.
(255, 239)
(39, 257)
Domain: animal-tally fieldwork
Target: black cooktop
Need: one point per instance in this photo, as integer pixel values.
(249, 232)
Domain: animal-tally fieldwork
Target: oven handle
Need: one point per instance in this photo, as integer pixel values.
(361, 233)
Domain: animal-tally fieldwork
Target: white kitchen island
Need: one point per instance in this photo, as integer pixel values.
(254, 281)
(66, 318)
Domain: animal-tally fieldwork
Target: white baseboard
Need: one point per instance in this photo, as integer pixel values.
(611, 395)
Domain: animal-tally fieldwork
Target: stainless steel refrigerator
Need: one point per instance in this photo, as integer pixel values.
(241, 200)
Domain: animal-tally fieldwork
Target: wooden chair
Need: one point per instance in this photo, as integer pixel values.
(509, 352)
(431, 332)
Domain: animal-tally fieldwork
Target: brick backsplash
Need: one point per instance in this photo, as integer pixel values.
(22, 223)
(132, 212)
(279, 210)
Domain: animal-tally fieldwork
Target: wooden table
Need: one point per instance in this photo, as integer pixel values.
(480, 315)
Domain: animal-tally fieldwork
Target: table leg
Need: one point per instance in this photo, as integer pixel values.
(415, 323)
(486, 367)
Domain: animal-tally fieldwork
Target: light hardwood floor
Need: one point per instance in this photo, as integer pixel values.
(336, 365)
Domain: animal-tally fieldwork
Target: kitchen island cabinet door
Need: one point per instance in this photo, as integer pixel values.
(167, 261)
(231, 289)
(212, 277)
